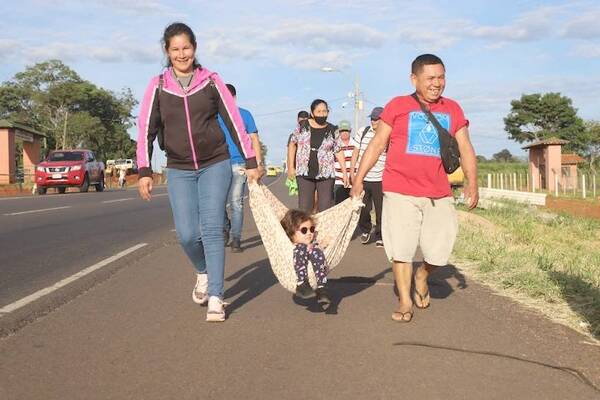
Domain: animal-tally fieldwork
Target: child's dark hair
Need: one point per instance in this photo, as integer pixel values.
(293, 219)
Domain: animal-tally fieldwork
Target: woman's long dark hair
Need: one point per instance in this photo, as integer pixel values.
(179, 28)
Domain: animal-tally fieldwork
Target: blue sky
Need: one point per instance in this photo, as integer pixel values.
(272, 51)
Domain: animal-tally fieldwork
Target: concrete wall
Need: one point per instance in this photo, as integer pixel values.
(520, 197)
(553, 164)
(31, 157)
(7, 156)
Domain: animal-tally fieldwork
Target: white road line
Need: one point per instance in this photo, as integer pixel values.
(117, 200)
(40, 293)
(37, 211)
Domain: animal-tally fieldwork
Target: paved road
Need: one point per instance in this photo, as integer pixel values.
(137, 335)
(44, 239)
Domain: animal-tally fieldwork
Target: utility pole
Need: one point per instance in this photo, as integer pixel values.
(358, 104)
(64, 146)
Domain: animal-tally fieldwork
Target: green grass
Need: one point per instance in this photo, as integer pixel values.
(555, 260)
(485, 168)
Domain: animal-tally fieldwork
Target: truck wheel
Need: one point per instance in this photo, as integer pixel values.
(62, 190)
(41, 190)
(85, 185)
(100, 185)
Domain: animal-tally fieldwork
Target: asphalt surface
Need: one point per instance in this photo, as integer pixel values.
(137, 335)
(44, 239)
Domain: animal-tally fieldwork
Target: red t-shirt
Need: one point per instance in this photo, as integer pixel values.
(413, 166)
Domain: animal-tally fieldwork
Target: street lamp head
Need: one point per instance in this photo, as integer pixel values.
(328, 69)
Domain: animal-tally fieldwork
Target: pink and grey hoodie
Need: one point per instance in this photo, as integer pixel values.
(188, 119)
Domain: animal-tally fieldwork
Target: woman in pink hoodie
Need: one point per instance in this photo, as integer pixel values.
(180, 108)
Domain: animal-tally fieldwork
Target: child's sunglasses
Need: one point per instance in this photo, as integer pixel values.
(304, 230)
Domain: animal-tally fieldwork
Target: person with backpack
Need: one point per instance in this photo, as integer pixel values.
(180, 107)
(372, 182)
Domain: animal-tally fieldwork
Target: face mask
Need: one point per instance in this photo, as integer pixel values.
(320, 120)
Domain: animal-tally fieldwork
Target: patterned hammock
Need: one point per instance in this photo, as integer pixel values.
(335, 227)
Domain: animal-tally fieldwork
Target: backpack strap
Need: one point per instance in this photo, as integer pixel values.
(160, 135)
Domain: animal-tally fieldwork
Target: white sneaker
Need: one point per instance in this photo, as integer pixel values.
(216, 310)
(200, 292)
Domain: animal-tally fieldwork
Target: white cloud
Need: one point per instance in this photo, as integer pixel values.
(319, 35)
(304, 46)
(583, 26)
(8, 47)
(316, 60)
(426, 40)
(137, 7)
(90, 51)
(533, 25)
(587, 50)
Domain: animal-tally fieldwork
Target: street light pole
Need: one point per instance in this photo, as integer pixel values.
(356, 102)
(356, 94)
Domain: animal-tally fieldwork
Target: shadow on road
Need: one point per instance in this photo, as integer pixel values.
(249, 243)
(439, 287)
(340, 288)
(583, 298)
(252, 281)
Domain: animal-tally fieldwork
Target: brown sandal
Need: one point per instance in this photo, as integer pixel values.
(422, 297)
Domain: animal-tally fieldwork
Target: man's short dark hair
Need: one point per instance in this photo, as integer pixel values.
(423, 60)
(231, 89)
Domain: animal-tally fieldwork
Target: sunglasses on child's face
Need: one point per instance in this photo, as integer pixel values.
(304, 230)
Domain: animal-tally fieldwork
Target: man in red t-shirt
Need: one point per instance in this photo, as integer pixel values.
(418, 208)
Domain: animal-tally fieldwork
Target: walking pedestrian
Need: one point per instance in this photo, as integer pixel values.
(311, 158)
(122, 177)
(180, 106)
(233, 226)
(341, 190)
(418, 208)
(373, 197)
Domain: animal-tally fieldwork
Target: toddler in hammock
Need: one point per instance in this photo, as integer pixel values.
(300, 228)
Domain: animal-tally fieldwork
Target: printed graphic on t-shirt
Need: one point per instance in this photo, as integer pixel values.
(422, 136)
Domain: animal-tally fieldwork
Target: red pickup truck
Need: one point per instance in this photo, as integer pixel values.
(68, 168)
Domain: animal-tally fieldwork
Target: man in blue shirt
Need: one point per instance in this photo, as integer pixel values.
(233, 227)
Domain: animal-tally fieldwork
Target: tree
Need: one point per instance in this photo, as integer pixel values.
(481, 159)
(542, 116)
(592, 149)
(49, 96)
(503, 156)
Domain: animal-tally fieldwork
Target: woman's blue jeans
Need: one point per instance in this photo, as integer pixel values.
(198, 200)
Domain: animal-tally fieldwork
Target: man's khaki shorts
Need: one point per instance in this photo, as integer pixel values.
(410, 222)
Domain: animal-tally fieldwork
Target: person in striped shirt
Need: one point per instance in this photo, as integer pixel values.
(340, 191)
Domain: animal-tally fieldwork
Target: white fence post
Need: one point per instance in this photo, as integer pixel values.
(583, 185)
(556, 185)
(514, 181)
(532, 183)
(594, 185)
(489, 181)
(501, 181)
